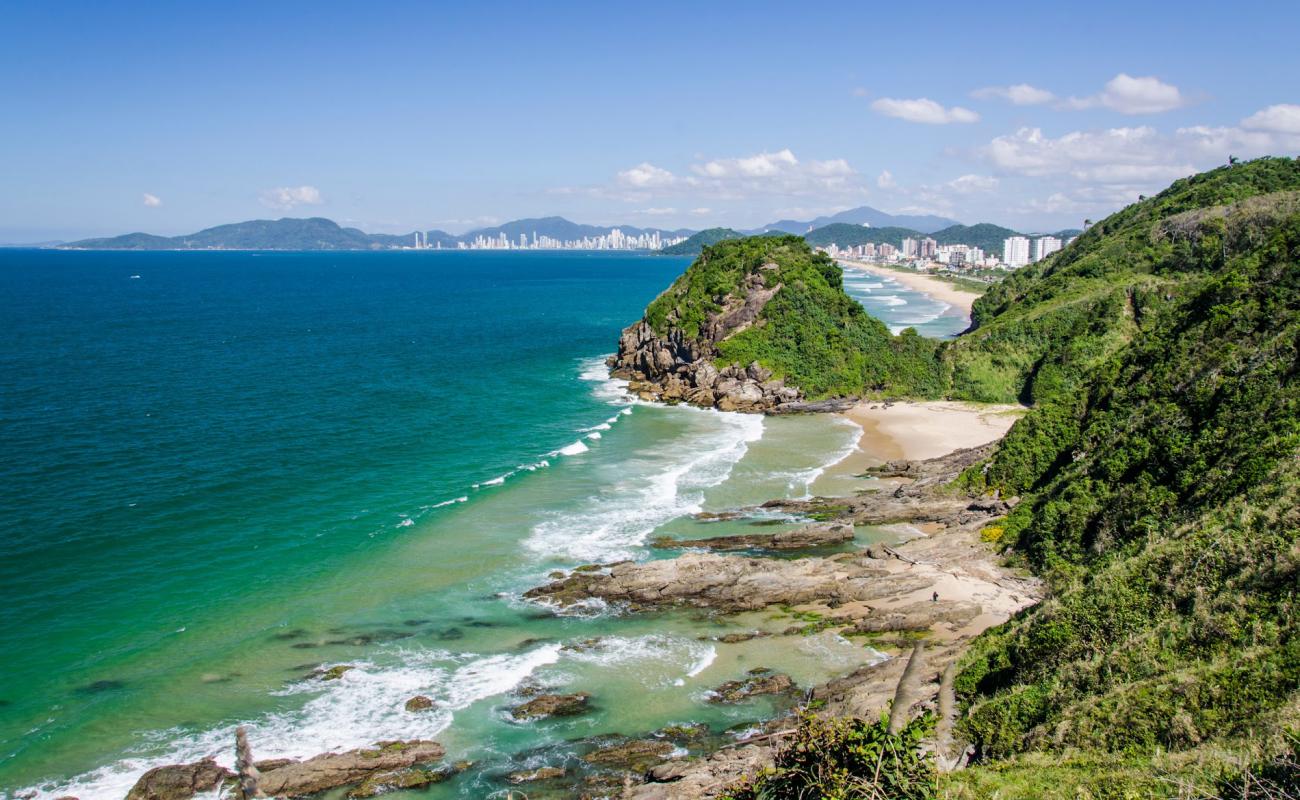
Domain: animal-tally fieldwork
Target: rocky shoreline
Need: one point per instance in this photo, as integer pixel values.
(941, 589)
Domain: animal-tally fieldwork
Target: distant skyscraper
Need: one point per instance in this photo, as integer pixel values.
(926, 248)
(909, 248)
(1015, 251)
(1044, 246)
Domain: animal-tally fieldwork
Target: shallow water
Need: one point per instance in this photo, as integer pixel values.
(238, 467)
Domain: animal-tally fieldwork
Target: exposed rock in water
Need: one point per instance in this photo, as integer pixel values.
(179, 781)
(552, 705)
(332, 770)
(406, 779)
(761, 681)
(420, 703)
(334, 673)
(539, 774)
(636, 755)
(797, 539)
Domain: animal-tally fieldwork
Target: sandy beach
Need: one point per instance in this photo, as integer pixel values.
(938, 289)
(920, 430)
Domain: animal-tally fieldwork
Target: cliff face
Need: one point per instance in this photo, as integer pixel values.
(676, 368)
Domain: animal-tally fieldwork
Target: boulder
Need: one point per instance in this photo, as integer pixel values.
(636, 755)
(406, 779)
(420, 703)
(539, 774)
(179, 781)
(552, 705)
(761, 682)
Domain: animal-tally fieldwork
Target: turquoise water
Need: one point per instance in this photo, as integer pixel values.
(220, 471)
(902, 307)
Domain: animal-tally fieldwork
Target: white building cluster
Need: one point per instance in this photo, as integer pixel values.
(1018, 251)
(614, 240)
(925, 253)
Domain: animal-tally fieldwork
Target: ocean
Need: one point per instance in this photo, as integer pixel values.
(221, 472)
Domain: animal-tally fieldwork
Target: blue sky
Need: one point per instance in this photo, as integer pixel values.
(170, 117)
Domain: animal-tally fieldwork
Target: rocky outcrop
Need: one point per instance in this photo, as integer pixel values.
(674, 368)
(552, 705)
(759, 681)
(539, 774)
(179, 781)
(419, 703)
(332, 770)
(635, 755)
(797, 539)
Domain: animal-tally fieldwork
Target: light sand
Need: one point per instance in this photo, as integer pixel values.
(927, 430)
(926, 284)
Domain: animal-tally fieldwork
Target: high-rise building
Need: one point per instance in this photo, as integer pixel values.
(1044, 246)
(1015, 251)
(909, 248)
(926, 248)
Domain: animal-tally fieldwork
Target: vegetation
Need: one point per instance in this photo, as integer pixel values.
(846, 235)
(1160, 480)
(846, 759)
(811, 333)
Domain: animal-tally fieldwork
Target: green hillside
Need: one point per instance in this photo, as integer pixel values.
(812, 334)
(846, 235)
(1159, 483)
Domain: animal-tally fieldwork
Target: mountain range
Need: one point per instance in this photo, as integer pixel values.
(848, 228)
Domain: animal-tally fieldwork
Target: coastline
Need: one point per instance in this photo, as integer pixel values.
(927, 429)
(926, 284)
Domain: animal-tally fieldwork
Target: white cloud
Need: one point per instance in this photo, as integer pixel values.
(646, 175)
(885, 180)
(701, 212)
(763, 165)
(152, 200)
(1020, 94)
(1129, 95)
(923, 110)
(287, 197)
(1281, 118)
(969, 184)
(658, 212)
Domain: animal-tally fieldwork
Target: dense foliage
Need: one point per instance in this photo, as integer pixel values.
(846, 235)
(846, 759)
(1160, 480)
(811, 333)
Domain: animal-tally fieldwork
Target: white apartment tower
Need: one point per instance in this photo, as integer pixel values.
(1015, 251)
(1044, 246)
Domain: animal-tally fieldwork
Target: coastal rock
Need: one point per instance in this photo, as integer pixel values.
(763, 682)
(672, 368)
(698, 779)
(635, 755)
(820, 535)
(333, 770)
(179, 781)
(539, 774)
(419, 703)
(552, 705)
(406, 779)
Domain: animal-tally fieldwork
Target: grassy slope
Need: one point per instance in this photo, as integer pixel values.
(811, 333)
(1160, 480)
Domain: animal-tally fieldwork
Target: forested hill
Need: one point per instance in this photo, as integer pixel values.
(1159, 476)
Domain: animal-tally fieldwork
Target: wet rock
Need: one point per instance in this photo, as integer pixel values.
(179, 781)
(759, 682)
(669, 771)
(268, 764)
(419, 703)
(737, 638)
(333, 770)
(798, 539)
(635, 755)
(98, 687)
(552, 705)
(406, 779)
(539, 774)
(686, 732)
(336, 672)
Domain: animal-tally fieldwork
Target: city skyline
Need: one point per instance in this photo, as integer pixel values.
(684, 117)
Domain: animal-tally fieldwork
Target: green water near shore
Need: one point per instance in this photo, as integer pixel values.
(237, 468)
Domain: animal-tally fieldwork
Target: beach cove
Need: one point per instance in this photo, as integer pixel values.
(362, 598)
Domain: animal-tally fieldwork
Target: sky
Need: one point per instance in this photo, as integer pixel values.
(391, 116)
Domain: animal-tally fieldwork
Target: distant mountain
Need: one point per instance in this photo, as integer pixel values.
(50, 243)
(847, 235)
(864, 215)
(318, 233)
(697, 242)
(984, 235)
